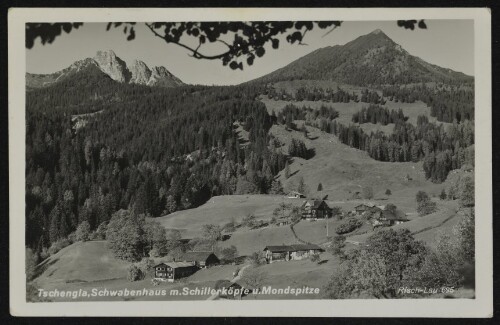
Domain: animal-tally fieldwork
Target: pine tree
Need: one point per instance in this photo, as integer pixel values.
(320, 187)
(301, 188)
(276, 187)
(171, 205)
(287, 170)
(443, 196)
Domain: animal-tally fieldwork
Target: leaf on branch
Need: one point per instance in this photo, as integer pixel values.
(260, 51)
(250, 60)
(131, 36)
(276, 43)
(407, 24)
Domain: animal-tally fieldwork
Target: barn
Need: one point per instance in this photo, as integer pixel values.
(200, 259)
(387, 218)
(290, 252)
(171, 271)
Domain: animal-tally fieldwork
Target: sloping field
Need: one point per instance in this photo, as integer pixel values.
(298, 274)
(221, 209)
(346, 110)
(250, 241)
(82, 262)
(427, 227)
(343, 171)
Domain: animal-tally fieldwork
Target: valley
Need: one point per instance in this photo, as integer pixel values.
(129, 169)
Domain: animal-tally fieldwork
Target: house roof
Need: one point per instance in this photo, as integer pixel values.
(315, 204)
(279, 249)
(175, 265)
(305, 247)
(292, 248)
(389, 215)
(196, 256)
(369, 205)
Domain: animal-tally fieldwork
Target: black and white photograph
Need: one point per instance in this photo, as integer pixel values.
(250, 161)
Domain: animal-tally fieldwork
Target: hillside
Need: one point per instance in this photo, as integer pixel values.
(81, 262)
(220, 210)
(371, 59)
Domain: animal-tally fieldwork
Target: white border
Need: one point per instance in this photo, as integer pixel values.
(482, 306)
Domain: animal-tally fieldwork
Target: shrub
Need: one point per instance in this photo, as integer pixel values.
(44, 253)
(58, 245)
(100, 232)
(467, 192)
(230, 226)
(349, 225)
(134, 273)
(249, 221)
(72, 238)
(337, 244)
(315, 258)
(443, 195)
(146, 265)
(337, 212)
(83, 231)
(31, 263)
(388, 192)
(256, 259)
(125, 236)
(229, 254)
(424, 204)
(368, 193)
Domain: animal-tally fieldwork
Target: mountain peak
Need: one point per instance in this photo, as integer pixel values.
(112, 65)
(372, 59)
(109, 63)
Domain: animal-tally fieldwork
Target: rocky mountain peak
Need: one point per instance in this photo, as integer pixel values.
(140, 73)
(112, 65)
(160, 76)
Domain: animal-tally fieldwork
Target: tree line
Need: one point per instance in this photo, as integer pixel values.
(152, 151)
(378, 115)
(448, 103)
(440, 150)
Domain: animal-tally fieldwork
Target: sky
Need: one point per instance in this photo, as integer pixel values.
(446, 43)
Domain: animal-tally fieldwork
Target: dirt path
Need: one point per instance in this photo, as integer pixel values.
(236, 278)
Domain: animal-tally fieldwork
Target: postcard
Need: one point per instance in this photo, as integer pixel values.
(250, 162)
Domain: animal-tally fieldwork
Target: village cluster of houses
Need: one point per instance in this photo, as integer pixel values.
(190, 262)
(379, 215)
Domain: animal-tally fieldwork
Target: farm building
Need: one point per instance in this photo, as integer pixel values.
(295, 195)
(170, 271)
(362, 208)
(282, 221)
(316, 209)
(387, 218)
(290, 252)
(200, 259)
